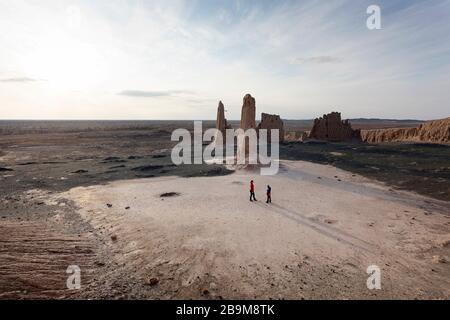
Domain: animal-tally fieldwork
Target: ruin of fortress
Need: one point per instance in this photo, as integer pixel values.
(331, 127)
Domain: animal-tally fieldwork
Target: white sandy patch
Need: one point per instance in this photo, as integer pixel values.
(315, 240)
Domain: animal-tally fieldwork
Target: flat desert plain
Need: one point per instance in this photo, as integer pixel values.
(107, 198)
(202, 237)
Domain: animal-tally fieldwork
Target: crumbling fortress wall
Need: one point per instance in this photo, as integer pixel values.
(330, 127)
(272, 122)
(296, 136)
(436, 131)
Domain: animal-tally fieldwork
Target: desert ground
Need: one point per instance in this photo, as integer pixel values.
(108, 199)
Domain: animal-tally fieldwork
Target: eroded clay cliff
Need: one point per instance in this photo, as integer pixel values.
(436, 131)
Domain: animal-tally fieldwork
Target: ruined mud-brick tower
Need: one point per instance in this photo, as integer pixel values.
(248, 114)
(221, 123)
(248, 121)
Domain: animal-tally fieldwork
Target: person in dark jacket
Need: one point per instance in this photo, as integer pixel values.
(269, 194)
(252, 191)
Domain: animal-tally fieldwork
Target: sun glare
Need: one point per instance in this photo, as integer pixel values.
(65, 63)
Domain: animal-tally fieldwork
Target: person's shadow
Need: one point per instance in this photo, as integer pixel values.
(320, 227)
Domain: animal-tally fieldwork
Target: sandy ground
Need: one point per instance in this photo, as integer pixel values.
(316, 240)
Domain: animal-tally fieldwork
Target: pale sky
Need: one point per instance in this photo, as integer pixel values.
(136, 59)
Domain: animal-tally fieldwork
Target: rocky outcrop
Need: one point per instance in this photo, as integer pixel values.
(331, 128)
(248, 114)
(270, 122)
(437, 131)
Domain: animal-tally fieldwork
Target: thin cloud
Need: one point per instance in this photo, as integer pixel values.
(152, 94)
(316, 60)
(19, 79)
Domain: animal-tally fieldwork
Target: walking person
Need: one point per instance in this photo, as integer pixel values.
(269, 194)
(252, 191)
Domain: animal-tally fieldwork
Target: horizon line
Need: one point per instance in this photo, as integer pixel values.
(284, 119)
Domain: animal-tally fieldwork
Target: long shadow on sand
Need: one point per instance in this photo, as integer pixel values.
(347, 186)
(323, 229)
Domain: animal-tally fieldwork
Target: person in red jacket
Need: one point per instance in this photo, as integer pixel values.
(252, 191)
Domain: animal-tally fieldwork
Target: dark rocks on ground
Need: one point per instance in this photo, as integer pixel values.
(81, 171)
(152, 282)
(205, 292)
(109, 205)
(218, 171)
(446, 244)
(27, 163)
(147, 168)
(113, 160)
(169, 194)
(118, 167)
(110, 171)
